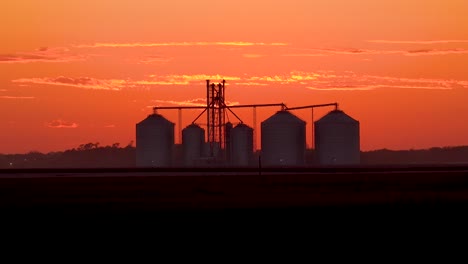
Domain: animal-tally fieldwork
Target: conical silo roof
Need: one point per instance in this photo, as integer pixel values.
(283, 117)
(154, 118)
(242, 126)
(336, 116)
(283, 140)
(193, 126)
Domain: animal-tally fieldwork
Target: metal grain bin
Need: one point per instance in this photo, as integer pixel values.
(154, 142)
(337, 140)
(283, 140)
(241, 145)
(193, 139)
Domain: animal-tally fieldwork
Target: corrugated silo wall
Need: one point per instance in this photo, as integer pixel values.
(241, 146)
(193, 138)
(337, 143)
(283, 141)
(154, 142)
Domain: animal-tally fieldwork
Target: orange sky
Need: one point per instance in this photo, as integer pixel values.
(79, 71)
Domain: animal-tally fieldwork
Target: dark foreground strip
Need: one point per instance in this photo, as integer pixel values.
(335, 169)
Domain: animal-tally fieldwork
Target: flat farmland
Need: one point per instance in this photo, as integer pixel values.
(165, 193)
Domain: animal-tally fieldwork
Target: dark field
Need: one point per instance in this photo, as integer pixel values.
(188, 194)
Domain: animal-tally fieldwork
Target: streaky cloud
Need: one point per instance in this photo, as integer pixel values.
(423, 82)
(418, 52)
(253, 56)
(250, 84)
(350, 81)
(120, 84)
(292, 77)
(80, 82)
(16, 97)
(314, 80)
(304, 55)
(317, 52)
(424, 42)
(374, 87)
(177, 44)
(58, 123)
(58, 54)
(190, 102)
(161, 82)
(154, 60)
(422, 52)
(185, 79)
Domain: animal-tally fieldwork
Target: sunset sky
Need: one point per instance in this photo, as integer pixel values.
(79, 71)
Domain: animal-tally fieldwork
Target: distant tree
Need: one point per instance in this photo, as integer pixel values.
(88, 146)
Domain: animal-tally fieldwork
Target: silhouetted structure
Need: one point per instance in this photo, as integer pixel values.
(215, 114)
(193, 142)
(337, 140)
(283, 135)
(154, 142)
(283, 140)
(241, 150)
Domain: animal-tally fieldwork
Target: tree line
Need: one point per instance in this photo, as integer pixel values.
(89, 155)
(93, 155)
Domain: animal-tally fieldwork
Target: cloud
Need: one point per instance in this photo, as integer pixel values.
(318, 80)
(253, 56)
(250, 84)
(185, 79)
(372, 82)
(423, 42)
(178, 44)
(154, 60)
(190, 102)
(341, 89)
(161, 82)
(293, 77)
(41, 55)
(373, 87)
(316, 52)
(422, 52)
(350, 81)
(16, 97)
(420, 83)
(119, 84)
(304, 55)
(353, 51)
(329, 52)
(80, 82)
(58, 123)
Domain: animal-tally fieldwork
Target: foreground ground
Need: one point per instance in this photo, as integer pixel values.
(215, 193)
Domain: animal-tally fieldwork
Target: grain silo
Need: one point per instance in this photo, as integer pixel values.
(283, 140)
(154, 142)
(241, 139)
(193, 139)
(337, 139)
